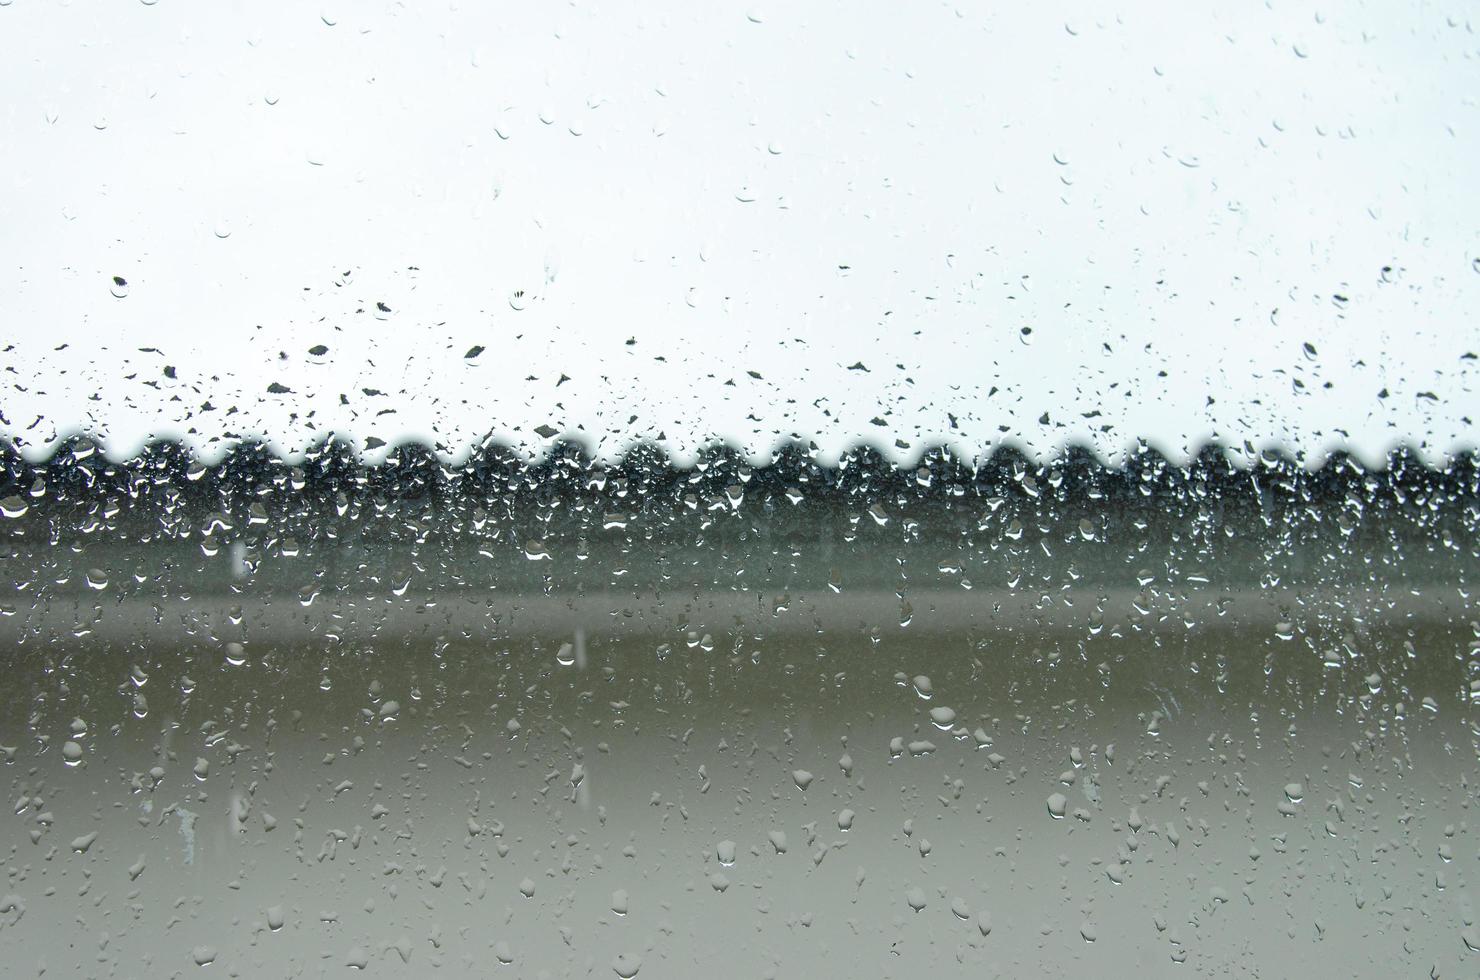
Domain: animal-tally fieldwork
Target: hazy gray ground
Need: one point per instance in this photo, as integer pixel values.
(436, 791)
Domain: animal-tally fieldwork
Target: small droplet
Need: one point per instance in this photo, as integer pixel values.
(119, 289)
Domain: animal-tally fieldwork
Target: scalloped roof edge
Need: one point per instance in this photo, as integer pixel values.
(379, 455)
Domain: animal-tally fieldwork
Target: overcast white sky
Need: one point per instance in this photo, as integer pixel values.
(656, 199)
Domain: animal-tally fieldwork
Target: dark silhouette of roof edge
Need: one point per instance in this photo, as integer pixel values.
(792, 459)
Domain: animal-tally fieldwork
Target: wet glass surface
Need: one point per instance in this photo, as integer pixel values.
(922, 721)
